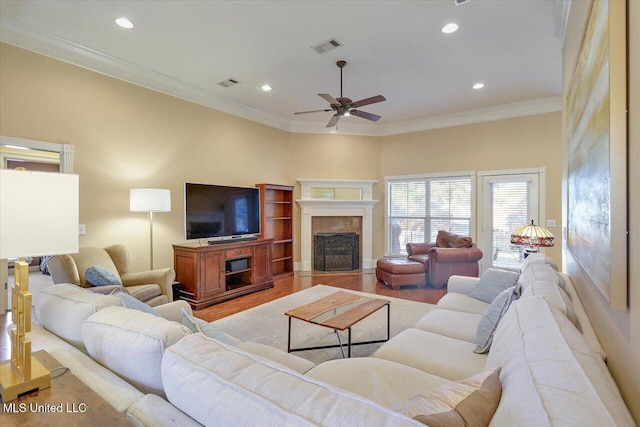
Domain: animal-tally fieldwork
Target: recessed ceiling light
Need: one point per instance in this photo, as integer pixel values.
(450, 28)
(266, 88)
(124, 23)
(478, 85)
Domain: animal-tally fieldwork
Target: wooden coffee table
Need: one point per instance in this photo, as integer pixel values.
(339, 311)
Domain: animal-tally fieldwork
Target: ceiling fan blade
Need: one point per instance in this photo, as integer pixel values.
(365, 115)
(330, 99)
(333, 121)
(367, 101)
(312, 111)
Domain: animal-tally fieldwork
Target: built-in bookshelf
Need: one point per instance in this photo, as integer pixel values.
(276, 207)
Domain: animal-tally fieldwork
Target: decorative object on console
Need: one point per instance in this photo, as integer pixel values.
(150, 200)
(39, 216)
(532, 236)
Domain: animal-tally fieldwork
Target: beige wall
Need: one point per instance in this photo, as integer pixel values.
(618, 330)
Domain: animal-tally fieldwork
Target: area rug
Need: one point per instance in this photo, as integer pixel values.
(267, 324)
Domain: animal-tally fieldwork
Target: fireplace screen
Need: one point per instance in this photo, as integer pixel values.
(336, 252)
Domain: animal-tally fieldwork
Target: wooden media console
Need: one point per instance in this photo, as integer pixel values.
(215, 273)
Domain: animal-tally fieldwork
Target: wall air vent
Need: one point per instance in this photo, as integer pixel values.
(327, 46)
(460, 2)
(228, 82)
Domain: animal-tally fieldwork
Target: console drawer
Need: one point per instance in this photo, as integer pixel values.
(235, 253)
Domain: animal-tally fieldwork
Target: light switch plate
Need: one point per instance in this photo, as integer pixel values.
(82, 229)
(551, 223)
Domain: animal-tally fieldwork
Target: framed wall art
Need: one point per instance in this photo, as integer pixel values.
(596, 114)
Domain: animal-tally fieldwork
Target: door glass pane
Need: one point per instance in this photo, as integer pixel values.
(510, 210)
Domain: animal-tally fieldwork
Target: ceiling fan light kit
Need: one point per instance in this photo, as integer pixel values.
(345, 106)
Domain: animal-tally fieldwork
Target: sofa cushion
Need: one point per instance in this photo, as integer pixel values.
(100, 276)
(550, 375)
(460, 302)
(288, 360)
(383, 381)
(554, 295)
(196, 325)
(491, 318)
(470, 402)
(217, 384)
(433, 353)
(538, 258)
(131, 344)
(454, 324)
(537, 272)
(62, 308)
(492, 282)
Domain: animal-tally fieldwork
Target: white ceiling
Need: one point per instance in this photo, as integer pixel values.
(394, 48)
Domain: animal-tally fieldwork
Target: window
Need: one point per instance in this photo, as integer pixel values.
(419, 207)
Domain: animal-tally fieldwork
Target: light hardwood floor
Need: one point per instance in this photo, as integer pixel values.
(364, 281)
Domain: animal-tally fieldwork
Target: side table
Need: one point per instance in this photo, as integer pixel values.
(68, 402)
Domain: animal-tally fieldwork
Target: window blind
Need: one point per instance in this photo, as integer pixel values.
(419, 208)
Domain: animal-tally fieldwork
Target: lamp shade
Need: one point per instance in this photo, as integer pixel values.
(532, 235)
(150, 200)
(38, 213)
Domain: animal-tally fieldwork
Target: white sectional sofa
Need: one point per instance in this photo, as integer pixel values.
(156, 372)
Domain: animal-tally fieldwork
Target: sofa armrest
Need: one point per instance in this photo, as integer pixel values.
(419, 248)
(173, 310)
(461, 284)
(162, 277)
(472, 254)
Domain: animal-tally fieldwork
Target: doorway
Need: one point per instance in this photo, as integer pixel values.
(509, 200)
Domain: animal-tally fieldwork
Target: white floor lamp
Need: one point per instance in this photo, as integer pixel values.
(150, 200)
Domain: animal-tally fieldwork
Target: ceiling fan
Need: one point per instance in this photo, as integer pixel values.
(345, 106)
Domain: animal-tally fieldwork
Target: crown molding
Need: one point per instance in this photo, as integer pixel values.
(27, 37)
(486, 114)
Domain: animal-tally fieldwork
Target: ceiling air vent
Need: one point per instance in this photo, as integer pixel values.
(228, 82)
(327, 46)
(460, 2)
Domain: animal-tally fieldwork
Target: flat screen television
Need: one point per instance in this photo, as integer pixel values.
(220, 213)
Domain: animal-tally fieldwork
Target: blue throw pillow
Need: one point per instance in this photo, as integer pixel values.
(491, 317)
(100, 276)
(198, 325)
(135, 304)
(492, 282)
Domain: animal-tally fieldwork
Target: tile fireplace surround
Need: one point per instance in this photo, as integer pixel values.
(314, 207)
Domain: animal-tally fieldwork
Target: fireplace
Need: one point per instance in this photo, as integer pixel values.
(336, 252)
(358, 211)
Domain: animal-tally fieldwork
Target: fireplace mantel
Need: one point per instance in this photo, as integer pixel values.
(311, 207)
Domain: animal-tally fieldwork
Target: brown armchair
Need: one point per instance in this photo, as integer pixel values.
(449, 255)
(154, 287)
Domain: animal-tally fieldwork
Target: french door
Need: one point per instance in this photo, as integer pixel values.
(508, 201)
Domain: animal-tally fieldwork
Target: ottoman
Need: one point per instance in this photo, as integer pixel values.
(397, 272)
